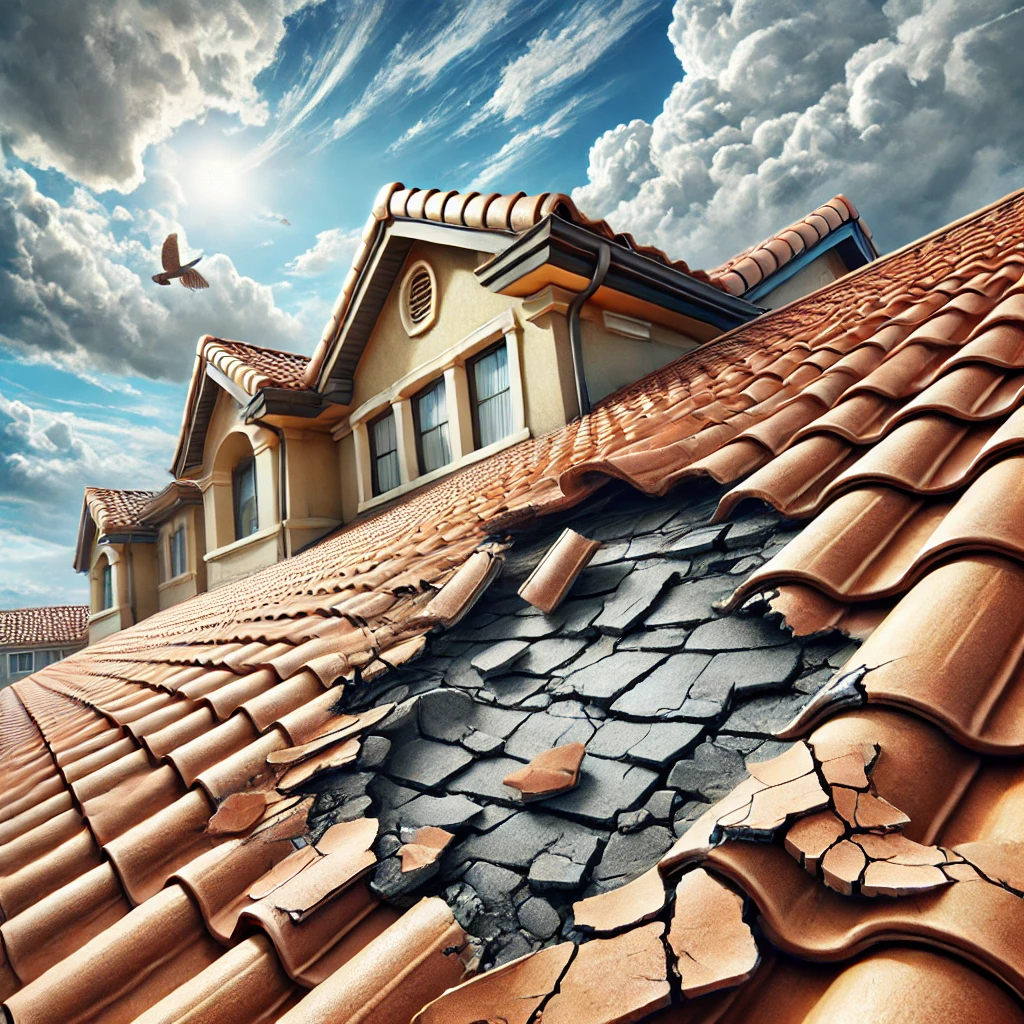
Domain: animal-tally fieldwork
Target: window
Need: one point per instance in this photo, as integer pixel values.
(492, 397)
(419, 299)
(20, 663)
(243, 489)
(430, 409)
(384, 453)
(177, 553)
(107, 583)
(44, 658)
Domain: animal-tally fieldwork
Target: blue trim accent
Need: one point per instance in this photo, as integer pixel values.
(850, 230)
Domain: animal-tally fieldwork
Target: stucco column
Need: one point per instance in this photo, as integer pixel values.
(364, 477)
(515, 381)
(460, 413)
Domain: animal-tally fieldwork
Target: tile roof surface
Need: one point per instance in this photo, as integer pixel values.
(153, 852)
(62, 623)
(253, 367)
(113, 510)
(749, 268)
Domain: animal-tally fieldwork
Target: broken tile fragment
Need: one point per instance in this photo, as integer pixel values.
(237, 812)
(850, 767)
(553, 771)
(333, 757)
(511, 993)
(631, 904)
(282, 872)
(713, 946)
(866, 810)
(808, 839)
(618, 979)
(883, 878)
(842, 866)
(772, 806)
(427, 845)
(999, 861)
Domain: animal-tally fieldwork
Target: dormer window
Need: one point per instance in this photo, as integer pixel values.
(430, 408)
(419, 299)
(384, 453)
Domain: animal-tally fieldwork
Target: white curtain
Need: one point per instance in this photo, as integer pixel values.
(494, 400)
(433, 422)
(385, 450)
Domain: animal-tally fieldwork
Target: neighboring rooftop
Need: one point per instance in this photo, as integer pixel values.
(56, 624)
(186, 808)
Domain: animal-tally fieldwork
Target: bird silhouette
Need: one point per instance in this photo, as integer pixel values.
(171, 261)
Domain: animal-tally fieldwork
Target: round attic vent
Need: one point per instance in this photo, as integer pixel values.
(419, 298)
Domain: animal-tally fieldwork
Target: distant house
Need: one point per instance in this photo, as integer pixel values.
(32, 638)
(467, 324)
(143, 551)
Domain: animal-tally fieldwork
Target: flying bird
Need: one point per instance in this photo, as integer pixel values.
(169, 257)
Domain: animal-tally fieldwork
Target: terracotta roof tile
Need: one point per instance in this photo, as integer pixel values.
(113, 762)
(53, 624)
(749, 268)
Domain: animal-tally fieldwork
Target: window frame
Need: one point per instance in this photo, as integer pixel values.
(474, 401)
(173, 571)
(247, 464)
(12, 659)
(107, 586)
(45, 653)
(375, 455)
(437, 384)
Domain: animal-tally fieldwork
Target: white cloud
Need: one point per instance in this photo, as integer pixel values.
(334, 248)
(74, 295)
(526, 143)
(457, 33)
(358, 24)
(558, 57)
(46, 458)
(906, 108)
(86, 87)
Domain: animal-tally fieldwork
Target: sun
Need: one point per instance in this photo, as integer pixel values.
(217, 182)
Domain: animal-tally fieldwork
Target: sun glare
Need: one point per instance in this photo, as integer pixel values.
(217, 182)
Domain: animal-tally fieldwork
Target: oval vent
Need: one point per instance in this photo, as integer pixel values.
(419, 298)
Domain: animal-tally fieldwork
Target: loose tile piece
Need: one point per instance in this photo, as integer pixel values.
(713, 946)
(551, 772)
(548, 584)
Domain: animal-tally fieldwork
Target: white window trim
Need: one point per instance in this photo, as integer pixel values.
(451, 364)
(403, 304)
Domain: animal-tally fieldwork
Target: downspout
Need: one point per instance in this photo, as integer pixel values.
(282, 481)
(604, 256)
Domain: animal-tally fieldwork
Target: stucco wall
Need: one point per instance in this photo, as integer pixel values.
(819, 272)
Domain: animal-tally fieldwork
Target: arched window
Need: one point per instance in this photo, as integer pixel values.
(243, 491)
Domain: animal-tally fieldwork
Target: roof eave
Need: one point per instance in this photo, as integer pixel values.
(566, 246)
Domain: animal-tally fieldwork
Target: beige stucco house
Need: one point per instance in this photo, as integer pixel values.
(32, 638)
(466, 324)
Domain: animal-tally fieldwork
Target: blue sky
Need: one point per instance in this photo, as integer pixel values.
(261, 130)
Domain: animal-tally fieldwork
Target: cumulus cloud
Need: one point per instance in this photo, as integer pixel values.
(907, 108)
(74, 295)
(334, 248)
(85, 87)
